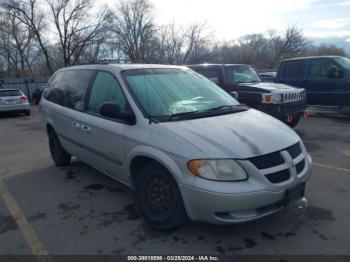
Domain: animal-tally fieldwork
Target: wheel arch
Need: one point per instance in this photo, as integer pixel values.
(142, 155)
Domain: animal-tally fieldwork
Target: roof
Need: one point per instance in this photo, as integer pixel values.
(213, 65)
(310, 57)
(118, 67)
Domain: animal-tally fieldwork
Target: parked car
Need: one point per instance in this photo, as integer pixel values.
(281, 101)
(13, 100)
(326, 79)
(36, 96)
(186, 147)
(268, 76)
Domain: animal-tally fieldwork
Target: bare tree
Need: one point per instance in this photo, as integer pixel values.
(292, 44)
(325, 49)
(30, 14)
(181, 45)
(15, 44)
(135, 30)
(76, 28)
(172, 41)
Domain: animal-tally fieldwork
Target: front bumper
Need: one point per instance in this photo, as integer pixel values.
(15, 108)
(282, 111)
(237, 202)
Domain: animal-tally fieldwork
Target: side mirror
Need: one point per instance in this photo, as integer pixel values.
(215, 80)
(235, 95)
(334, 72)
(112, 110)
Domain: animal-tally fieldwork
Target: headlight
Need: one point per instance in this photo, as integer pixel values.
(217, 169)
(272, 99)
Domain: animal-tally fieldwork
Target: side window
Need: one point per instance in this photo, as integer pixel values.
(68, 88)
(209, 73)
(294, 69)
(320, 68)
(105, 89)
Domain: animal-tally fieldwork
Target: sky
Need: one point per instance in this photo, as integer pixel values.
(321, 20)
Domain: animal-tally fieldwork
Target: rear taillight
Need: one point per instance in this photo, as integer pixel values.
(24, 98)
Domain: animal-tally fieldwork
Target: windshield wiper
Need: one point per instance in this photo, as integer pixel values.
(211, 111)
(186, 114)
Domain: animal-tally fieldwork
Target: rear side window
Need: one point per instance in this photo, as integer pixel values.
(68, 88)
(105, 89)
(320, 68)
(10, 93)
(294, 69)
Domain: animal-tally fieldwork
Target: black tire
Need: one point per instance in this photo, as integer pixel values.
(159, 198)
(27, 113)
(294, 122)
(58, 154)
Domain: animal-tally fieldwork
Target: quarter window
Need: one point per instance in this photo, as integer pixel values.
(294, 69)
(68, 88)
(320, 68)
(105, 89)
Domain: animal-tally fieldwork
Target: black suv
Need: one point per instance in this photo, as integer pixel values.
(281, 101)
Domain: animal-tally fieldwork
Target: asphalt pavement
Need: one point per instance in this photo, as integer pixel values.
(78, 210)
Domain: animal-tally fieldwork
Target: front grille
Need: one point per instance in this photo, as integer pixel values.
(300, 166)
(279, 176)
(294, 150)
(267, 161)
(293, 96)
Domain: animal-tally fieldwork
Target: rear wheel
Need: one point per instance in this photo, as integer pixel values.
(159, 198)
(59, 155)
(27, 113)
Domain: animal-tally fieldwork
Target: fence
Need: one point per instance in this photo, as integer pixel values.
(26, 85)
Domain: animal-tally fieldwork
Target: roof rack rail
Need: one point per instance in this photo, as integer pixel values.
(106, 62)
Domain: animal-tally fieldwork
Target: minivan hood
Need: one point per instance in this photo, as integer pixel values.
(239, 135)
(266, 86)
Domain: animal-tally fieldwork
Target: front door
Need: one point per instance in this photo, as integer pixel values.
(323, 89)
(103, 138)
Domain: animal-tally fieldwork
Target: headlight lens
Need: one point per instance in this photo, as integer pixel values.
(217, 169)
(272, 98)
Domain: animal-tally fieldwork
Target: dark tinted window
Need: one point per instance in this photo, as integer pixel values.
(105, 89)
(209, 73)
(10, 93)
(68, 88)
(320, 68)
(294, 69)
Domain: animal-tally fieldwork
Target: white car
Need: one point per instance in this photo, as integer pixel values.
(186, 147)
(13, 100)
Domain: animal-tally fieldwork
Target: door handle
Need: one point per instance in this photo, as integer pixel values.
(85, 128)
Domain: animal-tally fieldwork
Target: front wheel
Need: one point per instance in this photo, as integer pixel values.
(59, 155)
(159, 198)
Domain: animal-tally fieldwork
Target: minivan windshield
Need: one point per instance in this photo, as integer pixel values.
(344, 62)
(166, 94)
(237, 74)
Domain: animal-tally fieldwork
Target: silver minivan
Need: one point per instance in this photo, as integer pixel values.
(186, 147)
